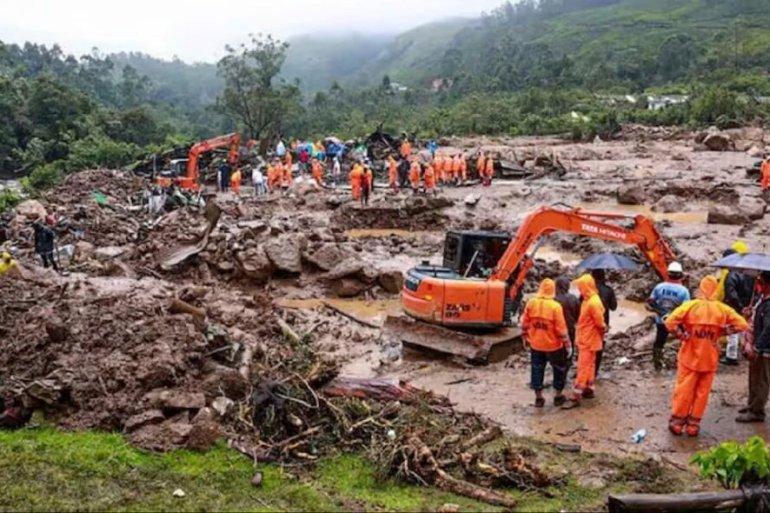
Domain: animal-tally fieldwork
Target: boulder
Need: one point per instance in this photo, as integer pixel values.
(668, 204)
(391, 280)
(471, 200)
(255, 264)
(285, 251)
(31, 209)
(348, 287)
(109, 252)
(748, 209)
(176, 399)
(327, 256)
(631, 194)
(205, 431)
(349, 267)
(718, 141)
(756, 152)
(142, 419)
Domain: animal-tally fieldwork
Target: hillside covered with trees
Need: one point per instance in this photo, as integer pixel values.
(547, 66)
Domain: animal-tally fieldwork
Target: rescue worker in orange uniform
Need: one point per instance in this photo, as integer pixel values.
(545, 331)
(589, 337)
(393, 173)
(274, 175)
(489, 172)
(765, 174)
(414, 176)
(698, 324)
(288, 159)
(235, 182)
(317, 170)
(438, 167)
(367, 184)
(406, 148)
(481, 165)
(286, 178)
(456, 169)
(463, 168)
(429, 176)
(356, 178)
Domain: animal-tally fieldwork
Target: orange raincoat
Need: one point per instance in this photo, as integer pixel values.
(288, 160)
(356, 179)
(287, 177)
(700, 323)
(235, 181)
(430, 179)
(393, 173)
(463, 168)
(406, 149)
(456, 168)
(765, 173)
(543, 320)
(414, 175)
(481, 165)
(589, 331)
(318, 172)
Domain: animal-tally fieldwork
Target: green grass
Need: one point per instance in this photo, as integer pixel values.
(45, 469)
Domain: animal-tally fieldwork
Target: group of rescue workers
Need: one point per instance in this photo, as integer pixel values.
(555, 324)
(406, 170)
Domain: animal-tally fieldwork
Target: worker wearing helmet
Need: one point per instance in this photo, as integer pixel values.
(481, 165)
(698, 324)
(765, 174)
(489, 172)
(429, 177)
(316, 168)
(7, 264)
(589, 337)
(545, 331)
(665, 298)
(736, 290)
(393, 173)
(414, 176)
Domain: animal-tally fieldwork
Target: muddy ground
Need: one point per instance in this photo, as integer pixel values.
(111, 344)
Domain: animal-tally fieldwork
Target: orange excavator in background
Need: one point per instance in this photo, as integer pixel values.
(480, 283)
(187, 177)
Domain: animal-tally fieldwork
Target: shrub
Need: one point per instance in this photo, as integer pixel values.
(8, 199)
(42, 177)
(734, 465)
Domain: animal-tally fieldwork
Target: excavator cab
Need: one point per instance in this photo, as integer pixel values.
(473, 254)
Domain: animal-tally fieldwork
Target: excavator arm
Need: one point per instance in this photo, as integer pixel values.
(233, 141)
(514, 264)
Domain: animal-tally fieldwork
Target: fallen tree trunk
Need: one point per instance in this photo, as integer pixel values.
(706, 501)
(428, 469)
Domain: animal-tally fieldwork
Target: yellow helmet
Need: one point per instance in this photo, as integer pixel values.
(740, 247)
(5, 256)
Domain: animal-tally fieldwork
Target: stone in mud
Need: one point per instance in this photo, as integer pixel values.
(756, 152)
(142, 419)
(31, 209)
(344, 269)
(226, 381)
(176, 399)
(718, 141)
(108, 252)
(631, 194)
(205, 431)
(285, 252)
(391, 280)
(222, 405)
(348, 287)
(723, 214)
(668, 204)
(255, 264)
(471, 200)
(56, 330)
(327, 256)
(84, 250)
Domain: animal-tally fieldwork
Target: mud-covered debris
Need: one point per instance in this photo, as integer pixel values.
(31, 209)
(471, 200)
(255, 264)
(392, 280)
(718, 141)
(285, 251)
(631, 194)
(176, 399)
(747, 210)
(668, 204)
(326, 256)
(142, 419)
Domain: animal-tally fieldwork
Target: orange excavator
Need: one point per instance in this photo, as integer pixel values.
(480, 283)
(187, 177)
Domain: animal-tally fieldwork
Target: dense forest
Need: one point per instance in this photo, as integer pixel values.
(536, 66)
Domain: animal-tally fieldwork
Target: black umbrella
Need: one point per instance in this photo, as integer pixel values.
(747, 262)
(608, 261)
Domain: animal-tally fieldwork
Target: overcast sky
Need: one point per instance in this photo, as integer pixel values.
(197, 30)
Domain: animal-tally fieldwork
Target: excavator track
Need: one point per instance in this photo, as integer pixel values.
(477, 347)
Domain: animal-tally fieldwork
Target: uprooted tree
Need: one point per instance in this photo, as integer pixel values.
(253, 94)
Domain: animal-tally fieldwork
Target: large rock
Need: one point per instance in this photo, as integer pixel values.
(391, 280)
(142, 419)
(668, 204)
(348, 287)
(349, 267)
(748, 209)
(31, 209)
(631, 194)
(176, 399)
(327, 256)
(285, 251)
(255, 264)
(718, 141)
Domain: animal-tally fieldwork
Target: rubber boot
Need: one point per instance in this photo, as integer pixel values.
(657, 358)
(693, 427)
(676, 425)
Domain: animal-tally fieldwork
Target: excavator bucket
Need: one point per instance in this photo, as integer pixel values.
(476, 347)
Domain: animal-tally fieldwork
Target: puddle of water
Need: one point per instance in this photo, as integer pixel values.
(549, 253)
(379, 233)
(628, 314)
(369, 311)
(694, 217)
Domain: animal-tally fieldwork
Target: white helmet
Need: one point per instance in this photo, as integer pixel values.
(675, 268)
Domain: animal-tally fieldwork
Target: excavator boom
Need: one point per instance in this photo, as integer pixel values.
(190, 179)
(446, 297)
